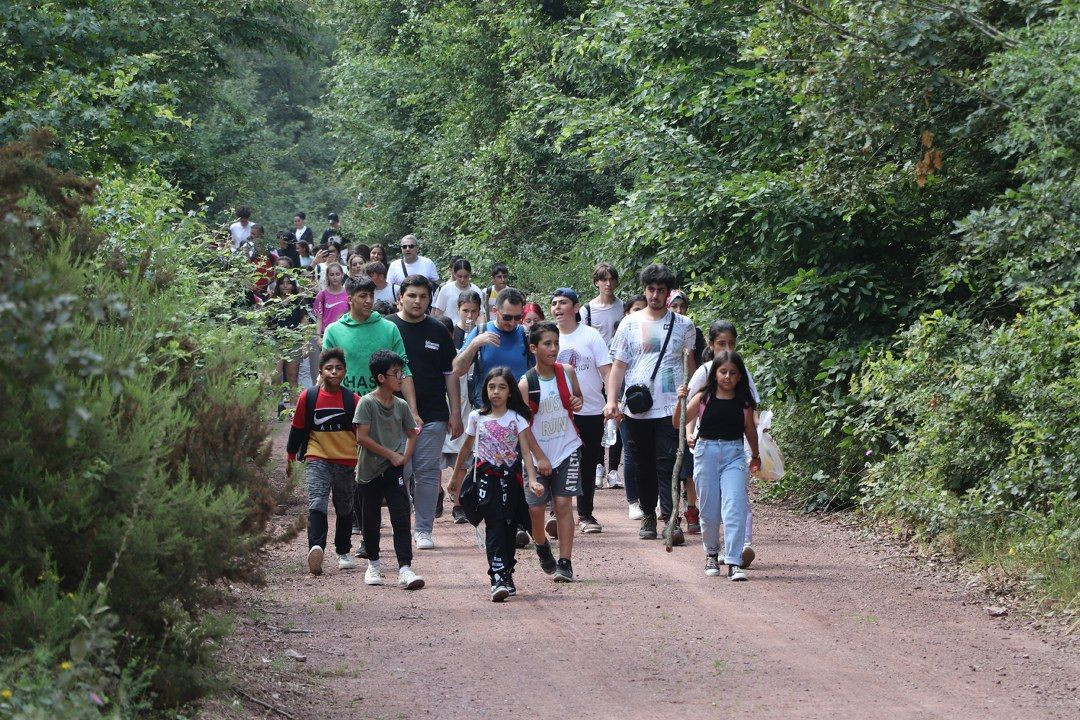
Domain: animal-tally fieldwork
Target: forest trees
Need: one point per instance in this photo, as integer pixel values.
(863, 186)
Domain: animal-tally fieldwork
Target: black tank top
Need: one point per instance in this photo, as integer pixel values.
(722, 420)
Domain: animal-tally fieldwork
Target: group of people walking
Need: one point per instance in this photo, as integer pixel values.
(533, 414)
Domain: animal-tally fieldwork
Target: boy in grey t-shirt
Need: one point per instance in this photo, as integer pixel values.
(384, 424)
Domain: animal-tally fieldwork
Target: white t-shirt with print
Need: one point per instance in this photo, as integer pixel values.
(496, 438)
(423, 266)
(702, 373)
(585, 351)
(553, 429)
(447, 299)
(637, 343)
(390, 294)
(604, 319)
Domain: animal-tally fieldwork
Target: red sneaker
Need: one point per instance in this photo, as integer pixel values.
(693, 520)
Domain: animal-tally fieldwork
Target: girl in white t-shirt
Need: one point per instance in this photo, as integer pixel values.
(500, 433)
(446, 302)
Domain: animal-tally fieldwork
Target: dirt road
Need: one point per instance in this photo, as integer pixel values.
(829, 625)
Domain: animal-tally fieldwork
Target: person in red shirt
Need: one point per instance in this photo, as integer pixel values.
(322, 435)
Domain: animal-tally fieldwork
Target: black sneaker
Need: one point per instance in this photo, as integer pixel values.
(356, 530)
(511, 588)
(361, 551)
(547, 559)
(439, 503)
(648, 527)
(565, 571)
(459, 515)
(523, 538)
(499, 591)
(736, 573)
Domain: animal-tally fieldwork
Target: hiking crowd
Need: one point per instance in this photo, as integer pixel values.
(407, 376)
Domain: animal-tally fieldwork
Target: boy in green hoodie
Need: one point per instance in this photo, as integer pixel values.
(361, 332)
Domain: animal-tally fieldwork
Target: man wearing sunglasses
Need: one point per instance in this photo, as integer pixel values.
(500, 341)
(411, 262)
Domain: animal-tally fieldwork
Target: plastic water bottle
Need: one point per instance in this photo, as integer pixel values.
(610, 433)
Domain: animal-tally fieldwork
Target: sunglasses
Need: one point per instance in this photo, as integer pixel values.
(407, 247)
(511, 318)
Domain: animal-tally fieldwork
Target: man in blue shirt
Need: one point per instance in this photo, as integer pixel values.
(500, 342)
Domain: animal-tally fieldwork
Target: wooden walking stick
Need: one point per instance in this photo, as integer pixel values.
(676, 496)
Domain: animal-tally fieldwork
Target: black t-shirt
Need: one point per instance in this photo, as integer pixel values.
(723, 419)
(459, 337)
(431, 357)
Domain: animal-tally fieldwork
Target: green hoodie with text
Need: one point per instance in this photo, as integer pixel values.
(359, 341)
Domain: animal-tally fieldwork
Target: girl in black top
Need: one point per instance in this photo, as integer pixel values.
(724, 410)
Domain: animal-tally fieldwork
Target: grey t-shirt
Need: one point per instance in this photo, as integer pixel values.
(388, 426)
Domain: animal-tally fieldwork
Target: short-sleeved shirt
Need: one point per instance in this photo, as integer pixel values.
(330, 306)
(637, 343)
(448, 297)
(512, 351)
(702, 374)
(586, 352)
(399, 270)
(431, 358)
(388, 426)
(389, 293)
(239, 233)
(496, 438)
(604, 319)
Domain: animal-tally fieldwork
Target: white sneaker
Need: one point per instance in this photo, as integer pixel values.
(424, 541)
(344, 562)
(736, 573)
(613, 480)
(314, 560)
(635, 511)
(409, 580)
(600, 477)
(373, 576)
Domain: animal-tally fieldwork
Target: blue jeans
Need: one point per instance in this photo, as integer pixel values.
(720, 474)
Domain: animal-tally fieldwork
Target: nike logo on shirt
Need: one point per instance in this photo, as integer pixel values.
(325, 415)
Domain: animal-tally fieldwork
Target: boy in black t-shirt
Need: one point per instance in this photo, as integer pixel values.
(431, 355)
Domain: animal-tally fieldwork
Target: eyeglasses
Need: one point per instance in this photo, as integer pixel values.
(511, 318)
(399, 374)
(408, 247)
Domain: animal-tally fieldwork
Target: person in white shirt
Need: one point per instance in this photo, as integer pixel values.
(411, 263)
(240, 230)
(605, 310)
(604, 313)
(383, 290)
(647, 352)
(446, 303)
(583, 349)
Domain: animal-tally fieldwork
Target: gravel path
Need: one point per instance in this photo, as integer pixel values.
(830, 624)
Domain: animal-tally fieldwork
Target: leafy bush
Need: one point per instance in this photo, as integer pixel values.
(979, 435)
(135, 422)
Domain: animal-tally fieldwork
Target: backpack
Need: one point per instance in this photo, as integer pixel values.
(476, 375)
(533, 379)
(311, 397)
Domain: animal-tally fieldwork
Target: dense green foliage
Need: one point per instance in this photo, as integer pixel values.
(131, 374)
(840, 178)
(135, 418)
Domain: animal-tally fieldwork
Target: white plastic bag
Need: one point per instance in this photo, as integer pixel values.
(772, 461)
